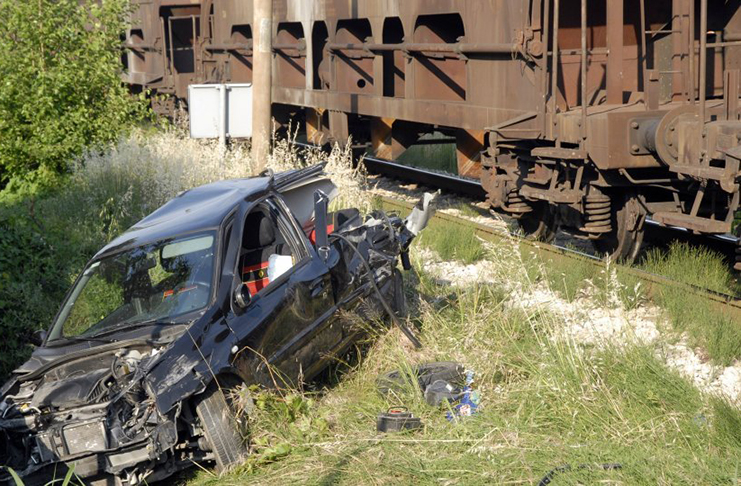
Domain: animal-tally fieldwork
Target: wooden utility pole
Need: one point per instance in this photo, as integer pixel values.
(262, 82)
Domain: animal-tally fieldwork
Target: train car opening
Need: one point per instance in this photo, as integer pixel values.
(136, 61)
(394, 74)
(240, 58)
(290, 55)
(182, 29)
(319, 38)
(439, 75)
(354, 66)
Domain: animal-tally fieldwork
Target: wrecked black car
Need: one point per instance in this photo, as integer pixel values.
(236, 282)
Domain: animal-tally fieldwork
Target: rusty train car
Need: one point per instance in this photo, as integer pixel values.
(589, 114)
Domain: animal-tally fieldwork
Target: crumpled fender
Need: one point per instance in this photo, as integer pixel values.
(421, 213)
(190, 364)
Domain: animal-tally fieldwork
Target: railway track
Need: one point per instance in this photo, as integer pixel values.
(728, 304)
(440, 180)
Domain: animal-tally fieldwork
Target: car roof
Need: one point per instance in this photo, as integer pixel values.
(197, 209)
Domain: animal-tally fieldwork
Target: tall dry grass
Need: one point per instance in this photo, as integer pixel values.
(147, 169)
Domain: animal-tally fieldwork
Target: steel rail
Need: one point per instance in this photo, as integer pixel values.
(441, 180)
(457, 48)
(722, 301)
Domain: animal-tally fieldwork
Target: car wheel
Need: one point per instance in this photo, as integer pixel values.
(220, 427)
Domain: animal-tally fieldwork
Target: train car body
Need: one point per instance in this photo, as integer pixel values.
(592, 115)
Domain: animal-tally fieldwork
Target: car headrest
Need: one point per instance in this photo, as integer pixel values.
(171, 264)
(182, 263)
(259, 232)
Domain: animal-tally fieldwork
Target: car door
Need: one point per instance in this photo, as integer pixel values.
(287, 325)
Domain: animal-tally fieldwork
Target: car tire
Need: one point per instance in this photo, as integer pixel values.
(220, 428)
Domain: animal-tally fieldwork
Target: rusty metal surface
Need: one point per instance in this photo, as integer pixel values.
(531, 89)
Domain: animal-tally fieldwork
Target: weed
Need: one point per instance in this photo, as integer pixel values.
(704, 325)
(613, 286)
(70, 479)
(692, 265)
(452, 241)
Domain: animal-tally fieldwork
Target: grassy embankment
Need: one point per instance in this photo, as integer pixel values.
(699, 322)
(547, 401)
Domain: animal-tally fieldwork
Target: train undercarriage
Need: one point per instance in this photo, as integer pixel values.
(547, 187)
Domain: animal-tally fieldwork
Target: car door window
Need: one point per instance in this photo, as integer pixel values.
(268, 249)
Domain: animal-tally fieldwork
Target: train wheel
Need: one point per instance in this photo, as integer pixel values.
(540, 224)
(626, 238)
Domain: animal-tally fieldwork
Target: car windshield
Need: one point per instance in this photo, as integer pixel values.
(151, 283)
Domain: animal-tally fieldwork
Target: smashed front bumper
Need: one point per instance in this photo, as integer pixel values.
(125, 444)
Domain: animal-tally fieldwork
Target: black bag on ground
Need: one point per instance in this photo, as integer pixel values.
(397, 381)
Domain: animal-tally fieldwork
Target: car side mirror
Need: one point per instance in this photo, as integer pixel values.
(38, 337)
(242, 296)
(320, 224)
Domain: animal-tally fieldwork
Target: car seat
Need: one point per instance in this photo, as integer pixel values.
(258, 243)
(336, 221)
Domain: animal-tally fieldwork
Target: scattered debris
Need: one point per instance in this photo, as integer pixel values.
(395, 382)
(469, 401)
(440, 391)
(589, 322)
(396, 420)
(566, 468)
(441, 383)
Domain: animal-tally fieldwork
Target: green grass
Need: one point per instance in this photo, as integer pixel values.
(702, 322)
(566, 276)
(609, 286)
(545, 403)
(452, 241)
(438, 157)
(705, 326)
(449, 240)
(693, 265)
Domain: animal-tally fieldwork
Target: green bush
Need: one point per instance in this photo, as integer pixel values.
(60, 87)
(32, 283)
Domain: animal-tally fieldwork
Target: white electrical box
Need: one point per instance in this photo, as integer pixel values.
(220, 110)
